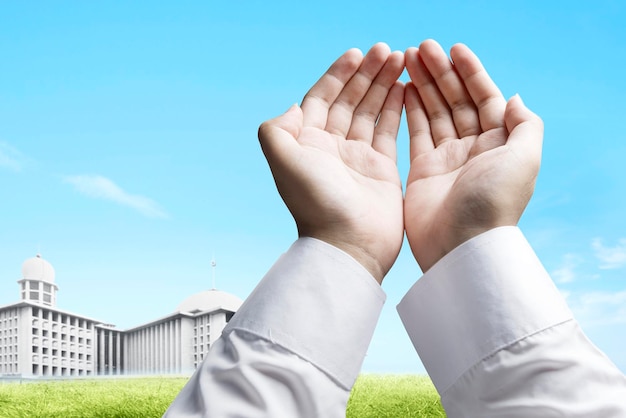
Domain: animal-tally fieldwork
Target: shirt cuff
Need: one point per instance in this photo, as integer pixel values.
(319, 303)
(485, 295)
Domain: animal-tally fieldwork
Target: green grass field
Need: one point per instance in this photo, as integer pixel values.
(373, 396)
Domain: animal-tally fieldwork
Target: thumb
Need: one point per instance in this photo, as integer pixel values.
(278, 137)
(525, 129)
(289, 122)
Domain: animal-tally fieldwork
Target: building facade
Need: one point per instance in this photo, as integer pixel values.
(38, 339)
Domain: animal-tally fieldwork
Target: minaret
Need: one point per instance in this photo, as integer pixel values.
(37, 283)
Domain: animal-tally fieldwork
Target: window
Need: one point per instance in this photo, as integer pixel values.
(47, 288)
(34, 295)
(47, 298)
(34, 286)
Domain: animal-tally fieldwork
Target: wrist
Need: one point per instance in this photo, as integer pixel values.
(437, 249)
(358, 252)
(369, 262)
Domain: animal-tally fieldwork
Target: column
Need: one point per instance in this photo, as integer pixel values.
(118, 358)
(111, 359)
(177, 346)
(100, 340)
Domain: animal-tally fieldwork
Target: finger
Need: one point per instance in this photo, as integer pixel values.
(386, 131)
(325, 91)
(525, 131)
(484, 93)
(282, 131)
(452, 88)
(368, 111)
(434, 104)
(342, 110)
(420, 138)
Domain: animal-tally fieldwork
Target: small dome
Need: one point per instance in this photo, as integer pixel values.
(210, 300)
(36, 268)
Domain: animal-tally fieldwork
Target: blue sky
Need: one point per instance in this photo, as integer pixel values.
(129, 157)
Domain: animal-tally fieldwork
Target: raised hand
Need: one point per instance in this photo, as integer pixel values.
(334, 158)
(474, 156)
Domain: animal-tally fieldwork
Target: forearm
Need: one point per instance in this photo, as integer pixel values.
(490, 328)
(296, 345)
(555, 372)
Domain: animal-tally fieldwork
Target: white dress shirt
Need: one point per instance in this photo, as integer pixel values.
(494, 334)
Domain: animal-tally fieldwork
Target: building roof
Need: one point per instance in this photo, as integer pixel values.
(36, 268)
(210, 300)
(52, 309)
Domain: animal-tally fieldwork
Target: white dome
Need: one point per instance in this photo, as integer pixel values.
(210, 300)
(36, 268)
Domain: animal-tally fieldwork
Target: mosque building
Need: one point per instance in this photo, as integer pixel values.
(38, 339)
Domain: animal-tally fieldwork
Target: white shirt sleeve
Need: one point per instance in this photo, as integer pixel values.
(296, 345)
(498, 340)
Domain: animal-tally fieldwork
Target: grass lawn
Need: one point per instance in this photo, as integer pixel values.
(373, 396)
(394, 396)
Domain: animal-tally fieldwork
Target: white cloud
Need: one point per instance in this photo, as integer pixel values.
(566, 273)
(10, 158)
(100, 187)
(610, 257)
(599, 307)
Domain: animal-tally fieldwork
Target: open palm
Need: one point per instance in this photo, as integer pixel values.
(334, 158)
(474, 157)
